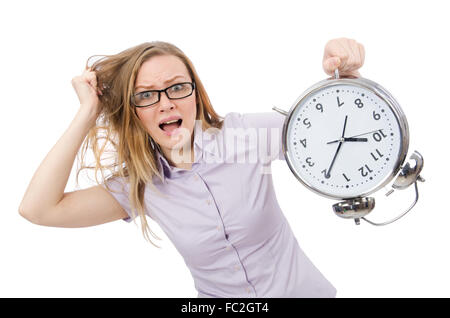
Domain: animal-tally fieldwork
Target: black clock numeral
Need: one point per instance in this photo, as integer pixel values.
(319, 107)
(303, 141)
(339, 103)
(376, 116)
(375, 157)
(346, 178)
(379, 135)
(308, 161)
(307, 123)
(325, 174)
(359, 103)
(363, 171)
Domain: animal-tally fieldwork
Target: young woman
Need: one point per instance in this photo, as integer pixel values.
(173, 162)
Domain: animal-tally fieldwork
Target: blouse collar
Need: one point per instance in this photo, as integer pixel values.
(166, 170)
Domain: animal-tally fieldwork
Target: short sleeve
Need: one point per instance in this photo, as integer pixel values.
(120, 193)
(269, 128)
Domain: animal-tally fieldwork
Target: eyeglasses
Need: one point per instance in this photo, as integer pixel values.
(175, 91)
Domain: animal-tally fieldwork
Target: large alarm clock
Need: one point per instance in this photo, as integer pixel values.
(345, 138)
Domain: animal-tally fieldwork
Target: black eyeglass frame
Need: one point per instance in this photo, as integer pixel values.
(159, 91)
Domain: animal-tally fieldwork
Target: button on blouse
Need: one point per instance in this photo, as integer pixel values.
(223, 216)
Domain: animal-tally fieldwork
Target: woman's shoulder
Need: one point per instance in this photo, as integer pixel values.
(254, 120)
(233, 119)
(115, 182)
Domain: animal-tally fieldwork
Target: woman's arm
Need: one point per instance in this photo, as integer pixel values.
(45, 202)
(47, 185)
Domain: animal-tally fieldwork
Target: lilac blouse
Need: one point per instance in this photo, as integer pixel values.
(223, 216)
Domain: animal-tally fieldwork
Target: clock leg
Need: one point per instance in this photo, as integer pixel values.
(354, 208)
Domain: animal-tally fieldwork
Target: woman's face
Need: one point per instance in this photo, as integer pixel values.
(160, 72)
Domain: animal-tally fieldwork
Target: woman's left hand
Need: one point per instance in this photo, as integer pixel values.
(346, 55)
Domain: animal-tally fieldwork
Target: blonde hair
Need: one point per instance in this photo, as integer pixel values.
(134, 155)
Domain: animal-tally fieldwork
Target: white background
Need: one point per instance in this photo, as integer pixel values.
(251, 56)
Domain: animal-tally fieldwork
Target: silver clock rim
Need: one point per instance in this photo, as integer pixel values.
(378, 90)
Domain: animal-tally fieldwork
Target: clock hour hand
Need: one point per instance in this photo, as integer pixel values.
(355, 139)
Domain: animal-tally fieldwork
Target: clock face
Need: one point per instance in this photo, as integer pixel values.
(344, 141)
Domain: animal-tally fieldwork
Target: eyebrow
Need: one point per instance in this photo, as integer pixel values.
(150, 86)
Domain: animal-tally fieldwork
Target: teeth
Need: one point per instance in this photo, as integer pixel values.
(170, 122)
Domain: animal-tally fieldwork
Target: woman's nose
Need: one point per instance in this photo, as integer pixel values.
(165, 103)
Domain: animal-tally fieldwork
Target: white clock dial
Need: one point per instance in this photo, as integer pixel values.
(364, 161)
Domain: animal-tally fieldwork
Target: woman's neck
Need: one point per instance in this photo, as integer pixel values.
(183, 158)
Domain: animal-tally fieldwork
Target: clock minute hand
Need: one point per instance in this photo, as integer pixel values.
(327, 175)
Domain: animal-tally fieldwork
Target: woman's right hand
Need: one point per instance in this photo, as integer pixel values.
(85, 86)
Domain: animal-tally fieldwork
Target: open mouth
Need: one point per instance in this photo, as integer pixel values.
(171, 126)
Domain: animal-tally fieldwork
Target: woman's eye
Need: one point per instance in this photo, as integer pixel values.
(146, 95)
(177, 87)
